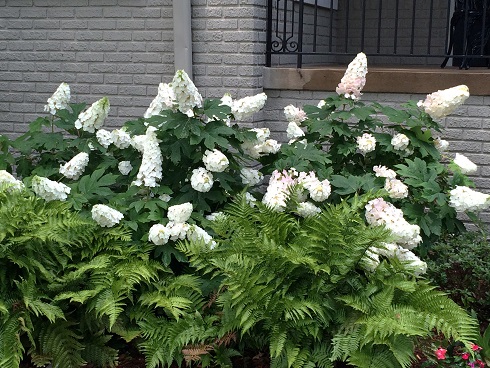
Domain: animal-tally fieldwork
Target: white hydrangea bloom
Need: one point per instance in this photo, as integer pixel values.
(104, 137)
(354, 78)
(441, 145)
(307, 209)
(251, 176)
(177, 230)
(196, 233)
(92, 119)
(379, 212)
(50, 190)
(185, 93)
(201, 180)
(150, 171)
(180, 213)
(106, 216)
(414, 263)
(250, 199)
(321, 104)
(59, 100)
(159, 234)
(443, 102)
(262, 134)
(294, 114)
(370, 260)
(247, 106)
(270, 146)
(400, 142)
(125, 167)
(9, 182)
(396, 189)
(465, 199)
(384, 172)
(294, 131)
(74, 168)
(319, 190)
(121, 138)
(227, 100)
(465, 164)
(215, 161)
(387, 250)
(163, 100)
(366, 143)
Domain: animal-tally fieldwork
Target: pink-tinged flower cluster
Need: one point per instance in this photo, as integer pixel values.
(294, 114)
(379, 212)
(443, 102)
(406, 236)
(306, 184)
(394, 187)
(354, 78)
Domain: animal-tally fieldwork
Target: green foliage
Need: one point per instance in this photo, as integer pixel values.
(301, 285)
(460, 266)
(65, 283)
(332, 152)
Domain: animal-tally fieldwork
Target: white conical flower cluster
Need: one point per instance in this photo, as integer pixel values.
(465, 164)
(50, 190)
(120, 138)
(9, 182)
(59, 100)
(164, 100)
(74, 168)
(180, 212)
(261, 145)
(150, 171)
(92, 119)
(354, 78)
(281, 183)
(443, 102)
(106, 216)
(465, 199)
(186, 95)
(247, 106)
(251, 176)
(379, 212)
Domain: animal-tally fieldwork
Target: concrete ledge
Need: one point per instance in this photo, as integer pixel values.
(380, 79)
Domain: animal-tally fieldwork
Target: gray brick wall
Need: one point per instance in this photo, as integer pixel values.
(228, 46)
(467, 129)
(116, 48)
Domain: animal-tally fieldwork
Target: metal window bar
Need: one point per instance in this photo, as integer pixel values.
(419, 32)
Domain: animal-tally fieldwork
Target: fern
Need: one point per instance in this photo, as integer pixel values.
(299, 284)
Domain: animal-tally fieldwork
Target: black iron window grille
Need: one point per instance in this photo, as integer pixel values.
(394, 32)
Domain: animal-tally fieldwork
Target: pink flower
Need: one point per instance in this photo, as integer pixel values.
(354, 78)
(441, 354)
(465, 356)
(475, 347)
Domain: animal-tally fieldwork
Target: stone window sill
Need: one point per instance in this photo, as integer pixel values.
(380, 79)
